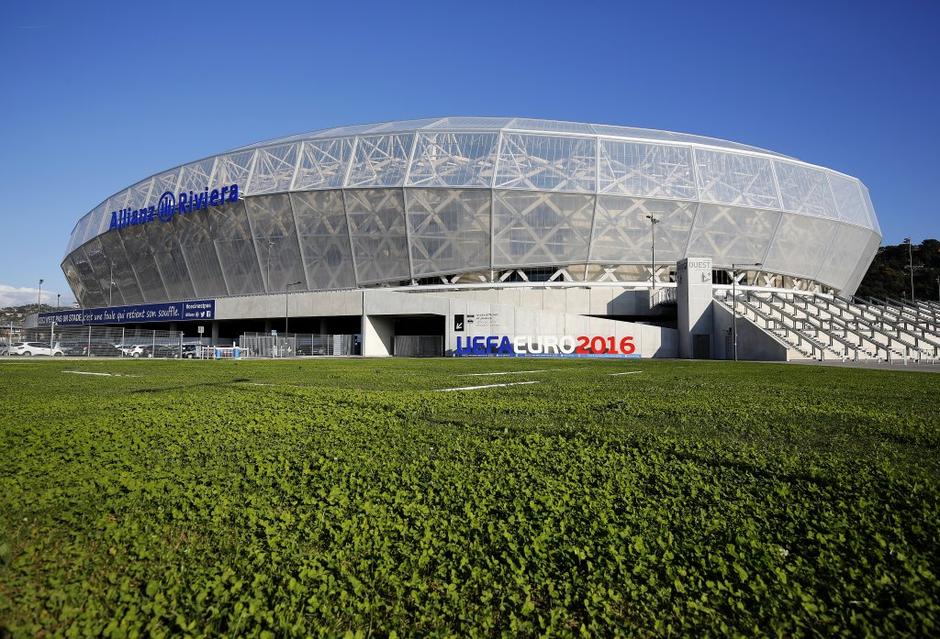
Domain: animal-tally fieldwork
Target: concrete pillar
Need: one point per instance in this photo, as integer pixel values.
(694, 307)
(214, 328)
(378, 335)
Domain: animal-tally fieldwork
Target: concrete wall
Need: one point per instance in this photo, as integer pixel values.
(753, 342)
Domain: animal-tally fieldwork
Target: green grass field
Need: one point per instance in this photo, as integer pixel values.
(326, 497)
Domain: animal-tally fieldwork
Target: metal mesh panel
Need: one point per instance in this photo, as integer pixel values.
(540, 228)
(453, 159)
(324, 239)
(105, 341)
(323, 164)
(542, 162)
(74, 279)
(622, 230)
(230, 229)
(274, 169)
(651, 170)
(197, 241)
(164, 243)
(103, 269)
(377, 228)
(449, 229)
(805, 190)
(729, 234)
(140, 254)
(92, 286)
(849, 200)
(380, 160)
(732, 178)
(272, 222)
(124, 276)
(799, 246)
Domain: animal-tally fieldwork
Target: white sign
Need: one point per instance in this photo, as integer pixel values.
(200, 329)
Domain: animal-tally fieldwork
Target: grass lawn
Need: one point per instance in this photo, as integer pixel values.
(292, 498)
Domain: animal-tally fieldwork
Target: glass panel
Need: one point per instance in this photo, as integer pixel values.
(323, 164)
(546, 163)
(733, 178)
(454, 159)
(196, 176)
(845, 252)
(232, 168)
(622, 231)
(380, 160)
(849, 200)
(651, 170)
(272, 223)
(324, 239)
(541, 228)
(876, 227)
(805, 190)
(274, 169)
(799, 246)
(377, 227)
(729, 234)
(449, 230)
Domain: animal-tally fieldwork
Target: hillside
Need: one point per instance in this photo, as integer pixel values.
(888, 275)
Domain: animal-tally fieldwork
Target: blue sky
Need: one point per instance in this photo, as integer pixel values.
(98, 95)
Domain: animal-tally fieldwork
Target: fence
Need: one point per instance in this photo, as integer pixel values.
(418, 346)
(299, 345)
(102, 341)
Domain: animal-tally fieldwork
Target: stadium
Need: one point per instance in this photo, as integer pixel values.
(445, 236)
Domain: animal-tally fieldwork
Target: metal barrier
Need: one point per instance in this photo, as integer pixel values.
(299, 345)
(102, 341)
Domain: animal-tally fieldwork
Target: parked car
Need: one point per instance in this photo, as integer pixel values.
(131, 350)
(35, 348)
(161, 350)
(191, 351)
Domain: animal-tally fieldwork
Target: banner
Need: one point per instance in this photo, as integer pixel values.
(133, 314)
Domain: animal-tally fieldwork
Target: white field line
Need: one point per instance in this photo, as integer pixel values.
(540, 370)
(626, 373)
(100, 374)
(463, 388)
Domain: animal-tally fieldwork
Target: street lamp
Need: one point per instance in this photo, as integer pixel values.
(653, 222)
(110, 282)
(734, 306)
(910, 262)
(267, 268)
(58, 299)
(39, 296)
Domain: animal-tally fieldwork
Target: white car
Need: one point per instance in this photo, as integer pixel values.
(35, 348)
(130, 350)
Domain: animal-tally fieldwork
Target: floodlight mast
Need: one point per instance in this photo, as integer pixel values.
(653, 222)
(734, 306)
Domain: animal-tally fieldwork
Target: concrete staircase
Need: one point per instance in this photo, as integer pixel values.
(821, 327)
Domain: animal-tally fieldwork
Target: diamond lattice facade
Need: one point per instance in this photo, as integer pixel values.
(470, 200)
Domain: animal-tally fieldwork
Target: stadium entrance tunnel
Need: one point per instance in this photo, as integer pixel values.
(403, 335)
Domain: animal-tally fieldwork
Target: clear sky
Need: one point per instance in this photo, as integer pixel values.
(98, 95)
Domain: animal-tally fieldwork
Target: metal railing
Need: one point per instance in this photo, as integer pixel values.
(299, 345)
(99, 341)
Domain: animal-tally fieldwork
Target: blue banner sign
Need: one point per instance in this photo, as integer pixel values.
(133, 314)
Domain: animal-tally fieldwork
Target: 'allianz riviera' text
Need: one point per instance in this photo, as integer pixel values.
(169, 205)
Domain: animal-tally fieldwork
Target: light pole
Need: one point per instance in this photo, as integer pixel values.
(58, 300)
(910, 262)
(734, 306)
(267, 268)
(653, 222)
(39, 296)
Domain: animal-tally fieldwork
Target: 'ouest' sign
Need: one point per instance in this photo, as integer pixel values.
(170, 204)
